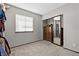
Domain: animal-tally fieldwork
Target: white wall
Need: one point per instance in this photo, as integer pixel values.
(50, 21)
(71, 24)
(21, 38)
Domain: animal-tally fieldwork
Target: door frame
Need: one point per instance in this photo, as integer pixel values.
(62, 32)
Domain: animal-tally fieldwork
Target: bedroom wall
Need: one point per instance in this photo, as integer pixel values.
(16, 39)
(71, 24)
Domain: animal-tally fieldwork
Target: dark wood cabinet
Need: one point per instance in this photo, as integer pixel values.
(48, 33)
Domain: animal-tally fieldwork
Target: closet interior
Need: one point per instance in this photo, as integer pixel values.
(53, 30)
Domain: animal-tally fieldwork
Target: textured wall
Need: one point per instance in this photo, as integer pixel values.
(26, 37)
(71, 24)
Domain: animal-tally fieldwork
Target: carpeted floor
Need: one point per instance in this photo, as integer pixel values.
(41, 48)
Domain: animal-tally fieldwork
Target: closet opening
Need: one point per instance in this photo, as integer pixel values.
(53, 30)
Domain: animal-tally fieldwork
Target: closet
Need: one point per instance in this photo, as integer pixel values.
(53, 30)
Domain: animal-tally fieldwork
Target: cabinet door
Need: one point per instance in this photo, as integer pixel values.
(48, 33)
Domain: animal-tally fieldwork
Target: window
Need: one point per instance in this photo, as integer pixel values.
(24, 23)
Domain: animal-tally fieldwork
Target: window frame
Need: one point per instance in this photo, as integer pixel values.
(25, 25)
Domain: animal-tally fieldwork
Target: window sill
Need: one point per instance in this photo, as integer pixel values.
(25, 32)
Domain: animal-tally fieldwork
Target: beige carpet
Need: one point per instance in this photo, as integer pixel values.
(41, 48)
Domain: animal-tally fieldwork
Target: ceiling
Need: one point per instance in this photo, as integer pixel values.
(39, 8)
